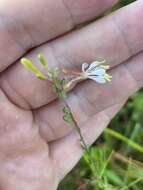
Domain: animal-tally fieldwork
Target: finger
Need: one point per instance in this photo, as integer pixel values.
(67, 151)
(23, 26)
(89, 98)
(101, 40)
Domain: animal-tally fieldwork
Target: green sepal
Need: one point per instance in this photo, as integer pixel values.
(30, 66)
(64, 82)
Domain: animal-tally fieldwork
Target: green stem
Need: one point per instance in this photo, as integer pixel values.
(119, 136)
(84, 145)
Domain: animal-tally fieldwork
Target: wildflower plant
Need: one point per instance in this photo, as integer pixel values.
(63, 80)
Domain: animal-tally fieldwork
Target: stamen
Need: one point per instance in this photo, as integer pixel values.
(106, 67)
(108, 77)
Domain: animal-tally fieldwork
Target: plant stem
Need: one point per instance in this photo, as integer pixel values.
(83, 143)
(77, 128)
(59, 91)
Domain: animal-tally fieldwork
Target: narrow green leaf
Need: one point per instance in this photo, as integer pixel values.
(114, 177)
(54, 88)
(30, 66)
(58, 85)
(119, 136)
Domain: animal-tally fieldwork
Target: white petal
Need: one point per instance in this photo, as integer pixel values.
(84, 67)
(98, 79)
(98, 72)
(93, 65)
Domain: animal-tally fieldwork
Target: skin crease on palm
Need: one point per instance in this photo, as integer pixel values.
(37, 148)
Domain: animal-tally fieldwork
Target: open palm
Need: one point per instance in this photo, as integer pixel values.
(37, 148)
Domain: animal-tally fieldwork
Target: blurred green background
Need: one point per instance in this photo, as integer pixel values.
(118, 153)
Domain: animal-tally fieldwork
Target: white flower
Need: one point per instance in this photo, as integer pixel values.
(96, 71)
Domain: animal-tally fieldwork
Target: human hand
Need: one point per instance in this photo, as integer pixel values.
(37, 148)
